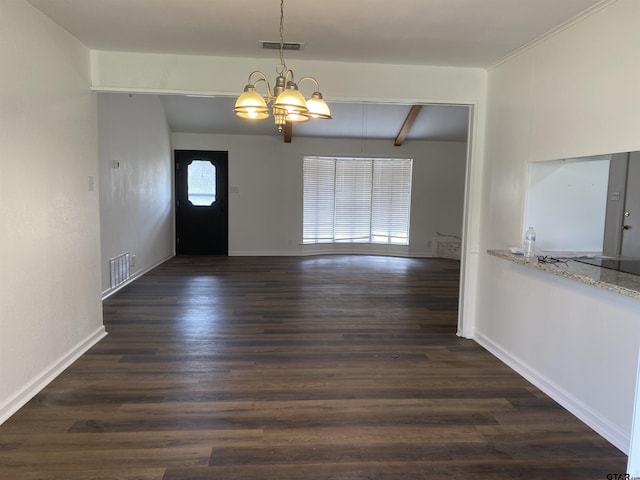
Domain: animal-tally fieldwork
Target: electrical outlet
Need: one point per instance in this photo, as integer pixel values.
(429, 244)
(132, 261)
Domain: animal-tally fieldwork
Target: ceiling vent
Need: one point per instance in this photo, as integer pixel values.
(290, 46)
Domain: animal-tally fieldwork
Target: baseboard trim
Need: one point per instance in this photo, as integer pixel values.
(246, 253)
(107, 293)
(310, 253)
(594, 420)
(17, 401)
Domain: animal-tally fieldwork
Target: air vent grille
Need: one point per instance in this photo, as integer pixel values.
(119, 270)
(293, 46)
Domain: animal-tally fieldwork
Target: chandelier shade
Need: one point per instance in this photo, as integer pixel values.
(288, 103)
(251, 105)
(317, 107)
(297, 118)
(291, 100)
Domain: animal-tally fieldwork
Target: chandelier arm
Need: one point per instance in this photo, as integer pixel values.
(263, 78)
(313, 80)
(288, 75)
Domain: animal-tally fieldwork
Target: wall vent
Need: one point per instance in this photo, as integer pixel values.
(119, 270)
(291, 46)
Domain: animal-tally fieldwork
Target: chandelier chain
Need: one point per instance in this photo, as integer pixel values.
(289, 105)
(283, 66)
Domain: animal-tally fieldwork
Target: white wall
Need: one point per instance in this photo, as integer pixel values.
(196, 74)
(566, 203)
(136, 199)
(50, 309)
(572, 95)
(265, 185)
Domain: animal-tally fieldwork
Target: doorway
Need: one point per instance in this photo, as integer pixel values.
(630, 244)
(202, 215)
(622, 227)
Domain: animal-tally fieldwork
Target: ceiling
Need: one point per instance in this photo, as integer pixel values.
(350, 120)
(459, 33)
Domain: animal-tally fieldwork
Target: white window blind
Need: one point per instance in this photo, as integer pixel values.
(353, 200)
(391, 201)
(319, 200)
(360, 200)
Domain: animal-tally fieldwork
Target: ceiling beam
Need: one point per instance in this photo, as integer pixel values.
(288, 132)
(406, 126)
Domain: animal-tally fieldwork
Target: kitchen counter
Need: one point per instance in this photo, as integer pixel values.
(612, 280)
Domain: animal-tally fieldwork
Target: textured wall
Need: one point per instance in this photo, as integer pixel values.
(49, 271)
(136, 198)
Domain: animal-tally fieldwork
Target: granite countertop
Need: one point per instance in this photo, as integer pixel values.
(612, 280)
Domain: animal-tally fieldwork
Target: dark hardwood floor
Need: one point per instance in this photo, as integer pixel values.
(333, 367)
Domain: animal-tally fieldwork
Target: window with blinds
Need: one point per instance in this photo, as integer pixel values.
(359, 200)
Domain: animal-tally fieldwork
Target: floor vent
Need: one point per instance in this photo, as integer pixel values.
(119, 270)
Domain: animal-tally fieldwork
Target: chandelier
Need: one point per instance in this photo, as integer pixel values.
(288, 104)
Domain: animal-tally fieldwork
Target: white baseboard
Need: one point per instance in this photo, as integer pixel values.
(594, 420)
(246, 253)
(17, 401)
(110, 291)
(308, 253)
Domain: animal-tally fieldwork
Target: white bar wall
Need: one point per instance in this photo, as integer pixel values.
(573, 94)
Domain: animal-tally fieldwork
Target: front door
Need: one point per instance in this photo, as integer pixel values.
(201, 202)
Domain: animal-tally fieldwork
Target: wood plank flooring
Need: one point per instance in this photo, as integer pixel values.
(332, 367)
